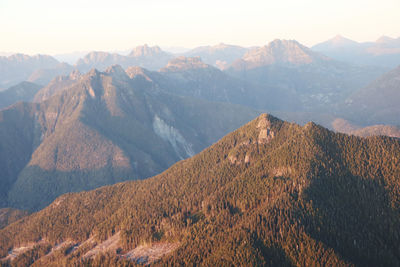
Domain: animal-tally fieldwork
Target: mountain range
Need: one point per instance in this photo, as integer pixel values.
(122, 160)
(147, 57)
(270, 193)
(18, 67)
(384, 52)
(303, 79)
(220, 56)
(283, 77)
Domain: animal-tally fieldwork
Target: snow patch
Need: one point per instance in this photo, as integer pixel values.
(109, 245)
(148, 254)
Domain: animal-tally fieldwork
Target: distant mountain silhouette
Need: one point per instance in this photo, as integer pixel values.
(144, 56)
(220, 56)
(303, 79)
(384, 52)
(18, 67)
(24, 91)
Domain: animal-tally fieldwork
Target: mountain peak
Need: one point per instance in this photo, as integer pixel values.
(117, 71)
(145, 50)
(183, 63)
(339, 40)
(282, 45)
(114, 69)
(336, 42)
(283, 42)
(75, 74)
(281, 52)
(93, 73)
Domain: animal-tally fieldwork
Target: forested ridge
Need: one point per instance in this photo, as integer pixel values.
(271, 193)
(100, 129)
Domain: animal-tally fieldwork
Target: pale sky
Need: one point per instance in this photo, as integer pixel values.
(52, 26)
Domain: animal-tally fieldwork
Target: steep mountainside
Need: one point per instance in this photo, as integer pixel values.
(24, 91)
(104, 128)
(190, 76)
(384, 52)
(304, 80)
(57, 85)
(221, 55)
(17, 68)
(378, 102)
(44, 76)
(269, 194)
(17, 136)
(144, 56)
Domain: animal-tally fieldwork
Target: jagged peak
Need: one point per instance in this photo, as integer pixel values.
(279, 45)
(117, 71)
(283, 42)
(268, 119)
(93, 73)
(116, 68)
(145, 50)
(75, 74)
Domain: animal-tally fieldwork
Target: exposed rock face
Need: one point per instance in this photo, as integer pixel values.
(266, 134)
(101, 128)
(263, 135)
(173, 136)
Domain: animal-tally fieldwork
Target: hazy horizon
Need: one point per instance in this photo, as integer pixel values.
(55, 27)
